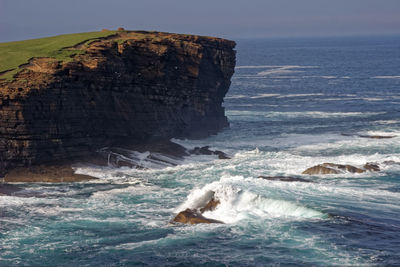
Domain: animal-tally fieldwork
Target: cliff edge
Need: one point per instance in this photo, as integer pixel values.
(124, 88)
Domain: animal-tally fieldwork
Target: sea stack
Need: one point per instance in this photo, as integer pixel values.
(125, 87)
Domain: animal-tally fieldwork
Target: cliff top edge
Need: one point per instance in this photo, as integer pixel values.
(15, 55)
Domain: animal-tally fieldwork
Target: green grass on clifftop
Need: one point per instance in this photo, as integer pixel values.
(14, 54)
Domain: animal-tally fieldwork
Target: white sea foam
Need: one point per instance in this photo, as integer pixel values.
(9, 201)
(263, 96)
(282, 70)
(320, 76)
(348, 191)
(310, 114)
(300, 95)
(275, 71)
(387, 121)
(274, 66)
(340, 99)
(119, 191)
(238, 203)
(387, 77)
(271, 95)
(373, 99)
(236, 97)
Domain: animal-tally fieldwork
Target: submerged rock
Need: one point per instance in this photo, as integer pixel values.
(205, 150)
(285, 179)
(332, 168)
(391, 162)
(192, 216)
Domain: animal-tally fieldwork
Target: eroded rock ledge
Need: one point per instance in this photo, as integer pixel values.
(129, 86)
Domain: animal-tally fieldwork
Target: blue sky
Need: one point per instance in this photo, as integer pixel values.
(24, 19)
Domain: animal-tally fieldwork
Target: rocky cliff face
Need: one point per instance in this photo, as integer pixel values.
(129, 87)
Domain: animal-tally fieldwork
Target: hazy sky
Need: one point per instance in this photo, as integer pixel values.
(24, 19)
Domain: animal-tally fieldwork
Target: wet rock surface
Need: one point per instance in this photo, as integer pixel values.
(192, 216)
(162, 153)
(45, 174)
(373, 167)
(332, 168)
(195, 216)
(205, 150)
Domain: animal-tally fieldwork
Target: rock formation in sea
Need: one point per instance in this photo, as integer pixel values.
(332, 168)
(195, 216)
(130, 87)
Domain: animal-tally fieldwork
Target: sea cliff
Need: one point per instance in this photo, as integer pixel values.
(129, 87)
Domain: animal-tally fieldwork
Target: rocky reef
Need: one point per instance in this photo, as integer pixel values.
(130, 87)
(332, 168)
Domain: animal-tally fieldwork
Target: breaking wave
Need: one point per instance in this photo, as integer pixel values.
(238, 203)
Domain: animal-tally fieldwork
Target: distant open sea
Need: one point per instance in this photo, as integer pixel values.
(293, 104)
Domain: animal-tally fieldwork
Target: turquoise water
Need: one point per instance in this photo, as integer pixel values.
(289, 104)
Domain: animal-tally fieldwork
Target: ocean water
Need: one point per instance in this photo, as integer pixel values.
(290, 103)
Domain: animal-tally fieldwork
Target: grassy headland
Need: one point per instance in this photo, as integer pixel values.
(15, 54)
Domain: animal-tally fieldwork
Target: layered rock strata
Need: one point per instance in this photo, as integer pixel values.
(129, 87)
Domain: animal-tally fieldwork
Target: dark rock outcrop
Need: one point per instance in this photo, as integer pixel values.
(372, 167)
(332, 168)
(139, 86)
(205, 150)
(285, 179)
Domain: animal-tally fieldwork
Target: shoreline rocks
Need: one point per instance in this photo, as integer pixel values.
(45, 174)
(157, 153)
